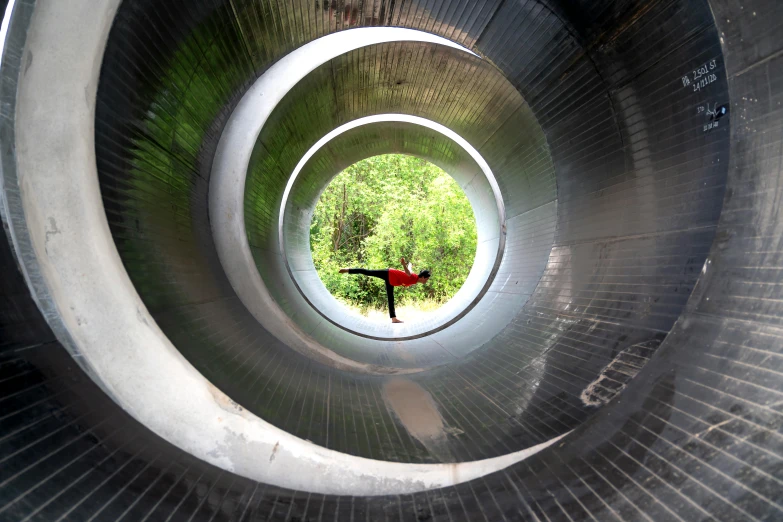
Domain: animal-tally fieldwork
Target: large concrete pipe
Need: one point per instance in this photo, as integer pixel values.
(167, 351)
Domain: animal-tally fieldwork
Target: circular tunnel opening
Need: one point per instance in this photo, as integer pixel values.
(385, 208)
(561, 311)
(355, 140)
(631, 309)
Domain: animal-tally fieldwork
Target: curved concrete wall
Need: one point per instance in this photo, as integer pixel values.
(624, 94)
(112, 333)
(419, 137)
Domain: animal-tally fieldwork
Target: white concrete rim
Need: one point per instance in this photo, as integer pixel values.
(471, 300)
(68, 256)
(232, 159)
(9, 8)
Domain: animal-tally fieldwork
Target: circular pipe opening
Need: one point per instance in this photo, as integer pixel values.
(464, 164)
(640, 173)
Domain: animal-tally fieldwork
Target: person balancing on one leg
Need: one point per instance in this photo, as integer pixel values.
(392, 278)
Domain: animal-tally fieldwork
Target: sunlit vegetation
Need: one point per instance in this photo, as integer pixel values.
(387, 207)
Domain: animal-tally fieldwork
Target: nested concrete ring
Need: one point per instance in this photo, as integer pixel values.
(473, 175)
(230, 169)
(53, 209)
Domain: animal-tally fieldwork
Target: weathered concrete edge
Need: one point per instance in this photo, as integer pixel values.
(229, 172)
(62, 239)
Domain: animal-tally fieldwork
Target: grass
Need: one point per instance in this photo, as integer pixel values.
(405, 311)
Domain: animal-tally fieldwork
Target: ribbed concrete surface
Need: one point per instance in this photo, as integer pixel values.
(605, 273)
(647, 203)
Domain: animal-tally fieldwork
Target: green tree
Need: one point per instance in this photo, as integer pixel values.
(389, 206)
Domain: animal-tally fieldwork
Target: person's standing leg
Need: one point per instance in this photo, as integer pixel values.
(380, 274)
(390, 297)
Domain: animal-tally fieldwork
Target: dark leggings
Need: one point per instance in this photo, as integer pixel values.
(380, 274)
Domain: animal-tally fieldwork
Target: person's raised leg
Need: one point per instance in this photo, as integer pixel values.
(382, 274)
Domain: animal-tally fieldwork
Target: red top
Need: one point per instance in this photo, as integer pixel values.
(400, 278)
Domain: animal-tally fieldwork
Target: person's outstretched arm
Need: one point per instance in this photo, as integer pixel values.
(405, 266)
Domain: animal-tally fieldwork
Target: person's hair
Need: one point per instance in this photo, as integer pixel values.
(424, 274)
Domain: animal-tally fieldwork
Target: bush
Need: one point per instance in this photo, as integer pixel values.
(387, 207)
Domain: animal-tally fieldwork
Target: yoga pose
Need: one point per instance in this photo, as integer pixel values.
(392, 278)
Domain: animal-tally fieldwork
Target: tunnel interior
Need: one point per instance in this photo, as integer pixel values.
(296, 215)
(621, 321)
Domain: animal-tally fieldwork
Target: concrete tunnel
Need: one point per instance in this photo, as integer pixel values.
(167, 351)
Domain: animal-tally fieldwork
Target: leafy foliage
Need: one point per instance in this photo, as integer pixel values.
(387, 207)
